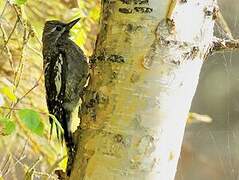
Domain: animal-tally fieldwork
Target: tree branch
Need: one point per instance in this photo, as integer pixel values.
(224, 44)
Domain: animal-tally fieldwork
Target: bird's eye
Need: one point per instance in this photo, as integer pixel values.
(58, 28)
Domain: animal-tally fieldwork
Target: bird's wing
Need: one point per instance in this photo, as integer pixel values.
(55, 89)
(77, 76)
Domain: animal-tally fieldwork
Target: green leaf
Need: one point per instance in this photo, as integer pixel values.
(7, 126)
(20, 2)
(32, 121)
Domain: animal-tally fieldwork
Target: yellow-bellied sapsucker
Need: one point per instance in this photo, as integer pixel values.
(66, 73)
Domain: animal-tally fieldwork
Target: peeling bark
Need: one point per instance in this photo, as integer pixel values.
(144, 74)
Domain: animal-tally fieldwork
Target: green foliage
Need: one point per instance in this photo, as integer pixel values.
(20, 2)
(84, 33)
(21, 82)
(7, 126)
(32, 121)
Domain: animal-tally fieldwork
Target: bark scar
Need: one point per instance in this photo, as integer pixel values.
(165, 39)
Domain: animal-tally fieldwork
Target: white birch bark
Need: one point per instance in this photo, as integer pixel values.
(144, 75)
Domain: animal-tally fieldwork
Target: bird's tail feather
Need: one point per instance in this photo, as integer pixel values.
(55, 119)
(51, 123)
(66, 121)
(64, 117)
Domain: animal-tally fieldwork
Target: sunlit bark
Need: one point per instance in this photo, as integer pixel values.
(144, 74)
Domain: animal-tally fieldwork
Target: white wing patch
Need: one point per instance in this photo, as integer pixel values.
(46, 66)
(58, 69)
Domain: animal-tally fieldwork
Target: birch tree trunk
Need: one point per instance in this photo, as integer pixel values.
(144, 74)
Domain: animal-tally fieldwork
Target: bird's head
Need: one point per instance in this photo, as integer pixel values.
(54, 30)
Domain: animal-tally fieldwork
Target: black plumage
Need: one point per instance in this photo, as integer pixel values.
(66, 73)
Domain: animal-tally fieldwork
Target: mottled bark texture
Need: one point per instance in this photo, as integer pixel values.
(145, 71)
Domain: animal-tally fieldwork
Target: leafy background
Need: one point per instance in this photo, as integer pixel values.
(26, 151)
(210, 150)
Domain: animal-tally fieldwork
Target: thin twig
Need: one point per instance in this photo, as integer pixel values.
(33, 32)
(31, 28)
(35, 51)
(19, 71)
(23, 149)
(36, 12)
(29, 91)
(32, 142)
(55, 165)
(224, 44)
(5, 164)
(32, 167)
(19, 14)
(18, 109)
(221, 22)
(9, 54)
(12, 31)
(4, 8)
(10, 169)
(11, 166)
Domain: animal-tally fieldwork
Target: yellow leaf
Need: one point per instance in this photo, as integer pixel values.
(9, 93)
(194, 117)
(63, 163)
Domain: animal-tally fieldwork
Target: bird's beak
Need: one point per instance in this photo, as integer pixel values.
(71, 24)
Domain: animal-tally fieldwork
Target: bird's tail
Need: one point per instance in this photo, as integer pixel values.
(63, 119)
(68, 137)
(55, 118)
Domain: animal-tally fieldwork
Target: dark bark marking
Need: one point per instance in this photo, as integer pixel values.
(110, 58)
(126, 1)
(183, 1)
(141, 1)
(116, 58)
(125, 10)
(134, 78)
(143, 9)
(90, 104)
(135, 1)
(176, 62)
(215, 13)
(118, 138)
(132, 28)
(208, 12)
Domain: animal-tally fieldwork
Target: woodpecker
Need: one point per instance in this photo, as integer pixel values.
(66, 72)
